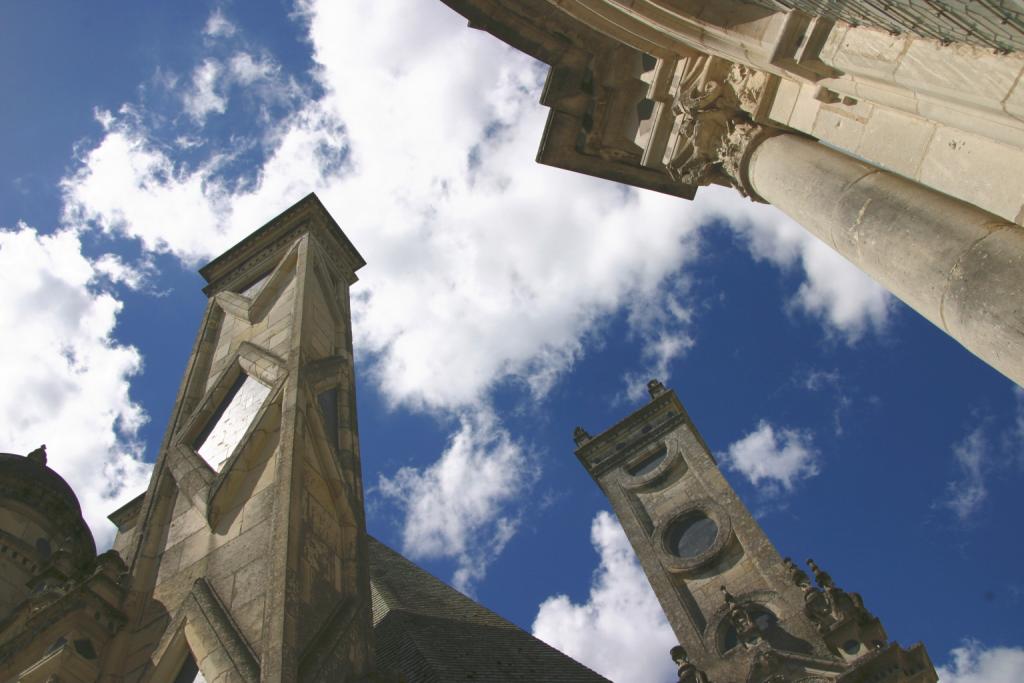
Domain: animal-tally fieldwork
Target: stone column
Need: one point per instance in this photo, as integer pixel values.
(955, 264)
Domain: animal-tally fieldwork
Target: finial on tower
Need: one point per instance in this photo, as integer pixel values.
(38, 456)
(580, 436)
(821, 577)
(655, 388)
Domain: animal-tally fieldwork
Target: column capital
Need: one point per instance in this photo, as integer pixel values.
(714, 132)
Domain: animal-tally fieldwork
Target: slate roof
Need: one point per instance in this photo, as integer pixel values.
(428, 631)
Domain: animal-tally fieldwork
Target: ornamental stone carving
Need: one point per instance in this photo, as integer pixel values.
(688, 671)
(747, 631)
(714, 131)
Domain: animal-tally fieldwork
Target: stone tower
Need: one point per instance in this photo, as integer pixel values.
(740, 611)
(247, 558)
(249, 552)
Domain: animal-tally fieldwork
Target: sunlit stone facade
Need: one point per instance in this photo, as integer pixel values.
(741, 612)
(893, 131)
(247, 558)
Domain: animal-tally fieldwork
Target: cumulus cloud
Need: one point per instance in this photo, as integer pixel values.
(777, 457)
(966, 494)
(66, 379)
(454, 507)
(973, 663)
(840, 295)
(484, 268)
(218, 26)
(113, 268)
(203, 98)
(662, 322)
(621, 614)
(517, 261)
(248, 69)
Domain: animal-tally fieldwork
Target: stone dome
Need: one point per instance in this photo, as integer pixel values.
(39, 514)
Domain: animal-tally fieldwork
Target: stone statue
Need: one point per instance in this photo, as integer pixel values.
(688, 671)
(746, 630)
(797, 575)
(655, 388)
(580, 436)
(840, 604)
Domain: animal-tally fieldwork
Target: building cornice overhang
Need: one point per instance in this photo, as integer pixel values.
(251, 257)
(609, 448)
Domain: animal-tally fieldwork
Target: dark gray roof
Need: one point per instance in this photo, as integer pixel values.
(428, 631)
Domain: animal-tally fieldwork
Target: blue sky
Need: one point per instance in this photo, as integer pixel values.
(503, 304)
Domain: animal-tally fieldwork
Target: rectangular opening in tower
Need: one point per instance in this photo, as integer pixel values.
(224, 431)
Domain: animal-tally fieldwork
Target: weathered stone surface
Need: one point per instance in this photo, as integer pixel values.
(251, 564)
(740, 611)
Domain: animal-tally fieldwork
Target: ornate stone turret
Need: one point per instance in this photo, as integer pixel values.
(740, 611)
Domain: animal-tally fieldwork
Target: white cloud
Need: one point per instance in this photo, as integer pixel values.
(662, 322)
(818, 380)
(621, 615)
(66, 379)
(973, 663)
(259, 77)
(456, 507)
(203, 98)
(834, 291)
(114, 269)
(778, 457)
(517, 262)
(219, 26)
(484, 268)
(247, 69)
(966, 494)
(423, 146)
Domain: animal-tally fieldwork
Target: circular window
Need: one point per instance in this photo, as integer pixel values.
(648, 464)
(692, 535)
(851, 647)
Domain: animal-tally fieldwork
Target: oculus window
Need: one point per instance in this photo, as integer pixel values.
(691, 535)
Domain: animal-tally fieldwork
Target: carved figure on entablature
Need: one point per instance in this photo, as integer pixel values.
(797, 575)
(746, 629)
(829, 604)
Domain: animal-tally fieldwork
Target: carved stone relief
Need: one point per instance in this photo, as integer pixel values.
(714, 129)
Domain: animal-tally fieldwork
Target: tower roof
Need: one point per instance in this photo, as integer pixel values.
(249, 256)
(27, 481)
(427, 630)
